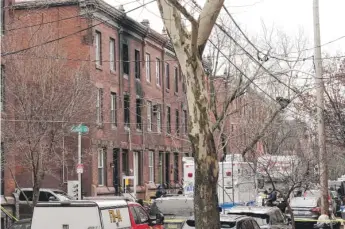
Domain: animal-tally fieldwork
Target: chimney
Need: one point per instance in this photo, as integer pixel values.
(146, 23)
(121, 8)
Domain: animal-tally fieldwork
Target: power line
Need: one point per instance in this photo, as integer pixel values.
(68, 35)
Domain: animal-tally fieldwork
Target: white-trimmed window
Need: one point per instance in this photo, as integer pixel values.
(151, 167)
(113, 107)
(176, 79)
(101, 171)
(99, 106)
(149, 116)
(167, 75)
(158, 72)
(148, 69)
(159, 122)
(98, 47)
(112, 54)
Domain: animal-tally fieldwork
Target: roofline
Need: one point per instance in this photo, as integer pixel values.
(118, 16)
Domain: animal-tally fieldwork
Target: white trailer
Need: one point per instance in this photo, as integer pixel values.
(236, 182)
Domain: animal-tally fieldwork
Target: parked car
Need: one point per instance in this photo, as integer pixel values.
(25, 198)
(305, 208)
(21, 224)
(228, 221)
(100, 214)
(176, 209)
(266, 217)
(317, 193)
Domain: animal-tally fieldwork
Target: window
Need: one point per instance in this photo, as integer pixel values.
(98, 47)
(159, 122)
(138, 166)
(168, 120)
(99, 106)
(126, 102)
(125, 59)
(3, 17)
(161, 167)
(142, 215)
(137, 64)
(176, 175)
(151, 167)
(113, 108)
(26, 196)
(147, 66)
(176, 79)
(149, 116)
(158, 72)
(177, 122)
(101, 170)
(167, 76)
(112, 54)
(2, 191)
(134, 214)
(2, 82)
(125, 162)
(138, 113)
(185, 121)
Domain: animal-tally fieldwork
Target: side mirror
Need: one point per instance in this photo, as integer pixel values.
(52, 198)
(159, 219)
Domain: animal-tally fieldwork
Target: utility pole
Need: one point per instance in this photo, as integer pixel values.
(320, 110)
(79, 163)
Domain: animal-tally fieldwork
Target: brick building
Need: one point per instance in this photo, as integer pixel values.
(140, 114)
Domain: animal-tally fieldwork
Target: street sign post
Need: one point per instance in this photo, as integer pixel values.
(80, 129)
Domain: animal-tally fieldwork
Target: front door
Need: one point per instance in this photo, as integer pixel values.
(167, 170)
(116, 172)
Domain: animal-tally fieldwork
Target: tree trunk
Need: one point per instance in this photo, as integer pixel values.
(35, 193)
(204, 148)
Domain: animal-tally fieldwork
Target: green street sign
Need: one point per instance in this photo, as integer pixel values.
(80, 129)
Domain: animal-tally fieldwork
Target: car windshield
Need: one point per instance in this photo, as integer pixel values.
(261, 219)
(173, 207)
(63, 195)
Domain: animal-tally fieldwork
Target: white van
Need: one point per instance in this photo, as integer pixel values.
(98, 214)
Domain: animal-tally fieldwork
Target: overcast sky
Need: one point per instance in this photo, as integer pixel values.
(287, 15)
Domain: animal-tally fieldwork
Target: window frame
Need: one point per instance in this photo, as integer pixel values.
(176, 78)
(176, 167)
(113, 109)
(137, 70)
(112, 54)
(125, 59)
(101, 166)
(98, 48)
(158, 72)
(2, 89)
(126, 110)
(138, 112)
(149, 116)
(177, 122)
(159, 119)
(99, 106)
(151, 166)
(168, 119)
(148, 67)
(167, 75)
(185, 120)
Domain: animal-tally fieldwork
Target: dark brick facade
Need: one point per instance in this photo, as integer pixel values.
(115, 140)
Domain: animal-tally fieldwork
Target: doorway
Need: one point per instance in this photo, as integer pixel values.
(116, 171)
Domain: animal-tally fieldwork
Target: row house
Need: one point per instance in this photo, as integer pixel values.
(243, 119)
(139, 127)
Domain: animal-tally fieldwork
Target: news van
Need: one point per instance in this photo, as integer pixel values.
(236, 181)
(98, 214)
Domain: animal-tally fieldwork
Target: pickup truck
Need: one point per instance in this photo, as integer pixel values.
(97, 214)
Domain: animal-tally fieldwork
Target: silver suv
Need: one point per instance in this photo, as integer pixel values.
(25, 198)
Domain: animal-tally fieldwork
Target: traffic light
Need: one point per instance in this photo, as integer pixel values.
(75, 189)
